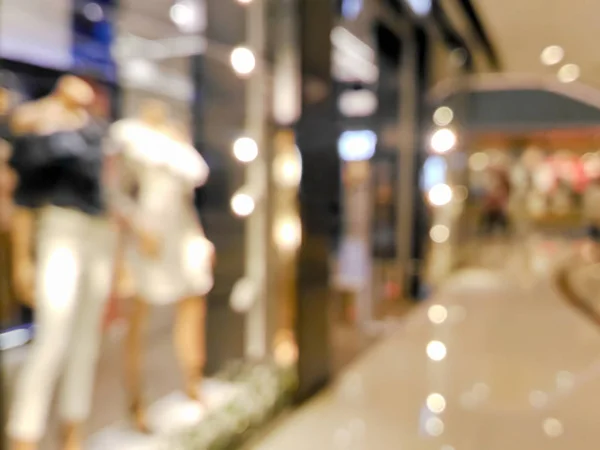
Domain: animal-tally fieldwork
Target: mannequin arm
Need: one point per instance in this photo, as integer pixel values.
(119, 184)
(22, 239)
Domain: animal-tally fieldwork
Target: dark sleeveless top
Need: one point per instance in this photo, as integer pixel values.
(62, 169)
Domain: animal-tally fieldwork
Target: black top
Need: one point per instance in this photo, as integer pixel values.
(4, 130)
(61, 169)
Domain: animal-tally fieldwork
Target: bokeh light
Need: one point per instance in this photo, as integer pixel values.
(243, 60)
(436, 350)
(439, 233)
(551, 55)
(245, 149)
(242, 204)
(443, 116)
(443, 140)
(436, 403)
(440, 195)
(437, 314)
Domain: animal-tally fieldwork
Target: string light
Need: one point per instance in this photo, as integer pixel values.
(443, 140)
(436, 350)
(242, 204)
(439, 233)
(245, 149)
(440, 195)
(443, 116)
(243, 60)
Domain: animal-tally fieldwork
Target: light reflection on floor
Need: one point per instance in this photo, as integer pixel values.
(495, 360)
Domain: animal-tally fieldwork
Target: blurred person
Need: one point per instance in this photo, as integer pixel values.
(495, 204)
(591, 216)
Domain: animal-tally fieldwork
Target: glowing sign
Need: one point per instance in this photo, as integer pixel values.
(357, 145)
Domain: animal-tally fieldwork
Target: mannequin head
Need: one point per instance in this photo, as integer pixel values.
(154, 113)
(74, 92)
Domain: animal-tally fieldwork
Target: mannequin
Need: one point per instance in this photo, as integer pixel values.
(59, 161)
(7, 186)
(159, 163)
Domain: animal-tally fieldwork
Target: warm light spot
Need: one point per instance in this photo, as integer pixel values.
(538, 399)
(242, 204)
(436, 350)
(437, 314)
(243, 60)
(443, 140)
(434, 426)
(552, 55)
(479, 161)
(553, 427)
(439, 233)
(569, 73)
(440, 195)
(436, 403)
(288, 233)
(443, 116)
(286, 353)
(245, 149)
(288, 169)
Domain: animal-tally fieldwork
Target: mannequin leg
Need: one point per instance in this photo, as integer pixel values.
(80, 369)
(57, 278)
(134, 359)
(189, 340)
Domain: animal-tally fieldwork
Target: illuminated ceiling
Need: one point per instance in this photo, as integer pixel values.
(521, 31)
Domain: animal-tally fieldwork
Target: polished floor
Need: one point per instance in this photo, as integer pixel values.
(496, 360)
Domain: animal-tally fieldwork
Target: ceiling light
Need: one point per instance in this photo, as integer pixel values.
(552, 55)
(244, 2)
(553, 427)
(569, 73)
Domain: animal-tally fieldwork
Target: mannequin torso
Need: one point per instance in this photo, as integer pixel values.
(165, 173)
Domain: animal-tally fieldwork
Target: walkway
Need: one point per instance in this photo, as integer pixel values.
(496, 360)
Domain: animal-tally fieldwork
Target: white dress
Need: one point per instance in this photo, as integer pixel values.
(164, 173)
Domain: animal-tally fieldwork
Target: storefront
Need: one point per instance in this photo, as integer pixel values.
(260, 324)
(71, 42)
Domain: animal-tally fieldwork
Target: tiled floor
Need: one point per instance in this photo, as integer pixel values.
(496, 360)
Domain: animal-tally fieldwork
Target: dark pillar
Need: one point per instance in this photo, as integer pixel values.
(319, 192)
(420, 224)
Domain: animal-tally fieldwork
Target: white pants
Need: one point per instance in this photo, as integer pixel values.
(75, 256)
